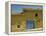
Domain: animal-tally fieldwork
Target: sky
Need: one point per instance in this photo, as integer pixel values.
(19, 8)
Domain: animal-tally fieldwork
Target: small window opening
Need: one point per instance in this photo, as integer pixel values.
(18, 26)
(36, 15)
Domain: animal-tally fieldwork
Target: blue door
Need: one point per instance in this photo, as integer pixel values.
(30, 24)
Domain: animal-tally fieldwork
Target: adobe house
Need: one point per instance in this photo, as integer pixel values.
(18, 21)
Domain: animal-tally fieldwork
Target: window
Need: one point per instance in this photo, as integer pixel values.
(18, 26)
